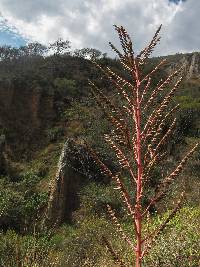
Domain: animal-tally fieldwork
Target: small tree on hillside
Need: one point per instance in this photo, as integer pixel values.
(60, 47)
(140, 117)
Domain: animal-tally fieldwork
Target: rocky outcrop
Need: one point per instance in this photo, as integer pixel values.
(190, 64)
(194, 66)
(75, 168)
(24, 114)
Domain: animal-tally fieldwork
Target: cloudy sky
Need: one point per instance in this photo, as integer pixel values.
(88, 23)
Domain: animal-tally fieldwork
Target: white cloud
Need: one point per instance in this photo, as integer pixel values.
(88, 23)
(184, 32)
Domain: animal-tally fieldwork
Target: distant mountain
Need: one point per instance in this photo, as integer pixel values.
(190, 63)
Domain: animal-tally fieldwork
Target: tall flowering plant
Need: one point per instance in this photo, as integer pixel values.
(139, 132)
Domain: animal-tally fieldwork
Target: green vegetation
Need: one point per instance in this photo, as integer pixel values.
(81, 244)
(20, 202)
(28, 250)
(49, 100)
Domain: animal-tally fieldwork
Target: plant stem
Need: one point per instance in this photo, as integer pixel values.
(138, 211)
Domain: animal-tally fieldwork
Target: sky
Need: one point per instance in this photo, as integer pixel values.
(89, 23)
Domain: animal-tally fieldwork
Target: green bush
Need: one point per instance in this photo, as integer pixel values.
(179, 245)
(55, 133)
(20, 202)
(83, 245)
(95, 196)
(27, 251)
(65, 87)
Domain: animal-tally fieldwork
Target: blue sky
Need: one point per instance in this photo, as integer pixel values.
(9, 35)
(9, 38)
(89, 23)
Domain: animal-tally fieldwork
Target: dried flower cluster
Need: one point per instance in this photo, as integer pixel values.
(138, 137)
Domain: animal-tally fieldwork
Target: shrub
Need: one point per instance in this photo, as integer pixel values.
(180, 244)
(55, 133)
(27, 251)
(20, 202)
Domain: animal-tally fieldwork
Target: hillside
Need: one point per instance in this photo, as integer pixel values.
(47, 112)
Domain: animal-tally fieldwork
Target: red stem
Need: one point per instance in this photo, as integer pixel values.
(138, 210)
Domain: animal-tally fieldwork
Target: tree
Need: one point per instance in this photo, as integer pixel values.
(139, 117)
(33, 49)
(60, 47)
(89, 53)
(8, 53)
(65, 87)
